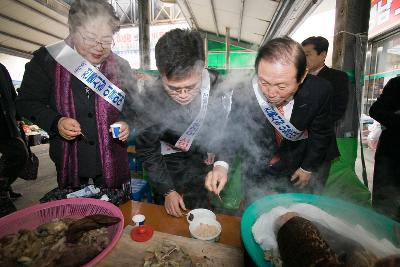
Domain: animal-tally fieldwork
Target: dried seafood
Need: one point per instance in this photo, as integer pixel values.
(64, 242)
(168, 254)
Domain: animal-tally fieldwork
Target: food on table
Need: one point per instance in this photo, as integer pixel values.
(205, 230)
(61, 242)
(168, 254)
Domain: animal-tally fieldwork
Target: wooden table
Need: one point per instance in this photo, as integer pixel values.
(127, 253)
(157, 217)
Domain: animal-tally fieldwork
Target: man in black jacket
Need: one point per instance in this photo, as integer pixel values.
(316, 49)
(280, 125)
(12, 147)
(177, 122)
(386, 110)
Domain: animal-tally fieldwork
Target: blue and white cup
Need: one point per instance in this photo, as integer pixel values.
(115, 129)
(138, 219)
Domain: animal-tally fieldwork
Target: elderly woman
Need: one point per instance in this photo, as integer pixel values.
(73, 108)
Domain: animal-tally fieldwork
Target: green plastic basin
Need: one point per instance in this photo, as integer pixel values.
(379, 225)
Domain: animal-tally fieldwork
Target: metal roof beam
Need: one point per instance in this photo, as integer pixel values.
(214, 17)
(213, 37)
(39, 12)
(14, 52)
(192, 17)
(241, 21)
(29, 26)
(20, 38)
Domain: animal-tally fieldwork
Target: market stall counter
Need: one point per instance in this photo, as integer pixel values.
(173, 234)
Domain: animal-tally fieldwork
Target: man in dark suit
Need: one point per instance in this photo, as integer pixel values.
(12, 147)
(316, 49)
(272, 159)
(386, 110)
(176, 124)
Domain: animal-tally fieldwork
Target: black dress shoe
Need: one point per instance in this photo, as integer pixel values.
(14, 195)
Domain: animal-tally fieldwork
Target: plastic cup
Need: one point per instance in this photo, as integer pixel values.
(115, 129)
(138, 219)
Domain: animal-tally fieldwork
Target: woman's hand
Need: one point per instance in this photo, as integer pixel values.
(68, 128)
(123, 131)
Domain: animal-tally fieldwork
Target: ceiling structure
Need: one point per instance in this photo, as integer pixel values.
(250, 22)
(25, 25)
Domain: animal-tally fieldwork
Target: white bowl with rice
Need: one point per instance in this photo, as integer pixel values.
(207, 229)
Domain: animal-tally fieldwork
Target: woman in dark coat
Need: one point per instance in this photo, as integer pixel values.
(78, 117)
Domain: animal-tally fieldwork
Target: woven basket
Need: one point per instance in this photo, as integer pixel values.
(76, 208)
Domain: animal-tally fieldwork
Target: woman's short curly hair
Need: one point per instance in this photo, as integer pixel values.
(82, 11)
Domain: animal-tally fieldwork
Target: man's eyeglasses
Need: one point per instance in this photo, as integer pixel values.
(92, 42)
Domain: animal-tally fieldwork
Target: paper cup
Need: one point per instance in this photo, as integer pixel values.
(138, 219)
(115, 128)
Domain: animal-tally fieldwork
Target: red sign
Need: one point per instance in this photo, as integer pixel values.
(385, 15)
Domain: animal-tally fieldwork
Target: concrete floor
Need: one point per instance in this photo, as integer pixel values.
(34, 190)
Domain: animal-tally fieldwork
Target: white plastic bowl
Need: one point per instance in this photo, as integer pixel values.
(199, 214)
(208, 221)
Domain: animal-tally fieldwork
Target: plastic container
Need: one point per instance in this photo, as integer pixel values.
(377, 224)
(199, 214)
(196, 223)
(30, 218)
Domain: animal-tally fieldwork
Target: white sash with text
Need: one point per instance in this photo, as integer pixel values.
(284, 127)
(87, 73)
(185, 141)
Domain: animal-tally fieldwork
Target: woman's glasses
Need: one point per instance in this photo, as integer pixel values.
(92, 42)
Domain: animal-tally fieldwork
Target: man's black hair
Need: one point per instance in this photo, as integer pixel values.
(285, 51)
(320, 43)
(178, 52)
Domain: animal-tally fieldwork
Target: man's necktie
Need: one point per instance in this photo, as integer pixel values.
(278, 138)
(278, 135)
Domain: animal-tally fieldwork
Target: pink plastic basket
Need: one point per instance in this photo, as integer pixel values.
(32, 217)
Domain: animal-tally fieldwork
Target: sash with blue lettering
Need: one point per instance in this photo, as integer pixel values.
(283, 126)
(185, 141)
(87, 73)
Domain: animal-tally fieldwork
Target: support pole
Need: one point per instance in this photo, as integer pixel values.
(144, 36)
(349, 48)
(205, 51)
(228, 45)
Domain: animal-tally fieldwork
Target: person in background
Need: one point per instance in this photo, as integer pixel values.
(77, 110)
(386, 181)
(280, 125)
(174, 134)
(316, 49)
(12, 147)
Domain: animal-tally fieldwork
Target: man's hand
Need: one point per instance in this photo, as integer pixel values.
(68, 128)
(216, 179)
(301, 178)
(174, 203)
(123, 131)
(210, 159)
